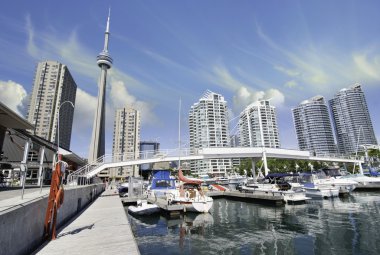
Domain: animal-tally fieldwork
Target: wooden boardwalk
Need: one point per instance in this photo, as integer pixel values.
(103, 228)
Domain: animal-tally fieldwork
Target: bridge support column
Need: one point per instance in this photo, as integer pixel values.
(360, 168)
(253, 168)
(266, 170)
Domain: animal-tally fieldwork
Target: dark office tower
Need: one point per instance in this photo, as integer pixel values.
(53, 96)
(352, 122)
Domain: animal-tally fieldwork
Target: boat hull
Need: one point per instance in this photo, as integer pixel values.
(321, 192)
(147, 209)
(202, 205)
(368, 185)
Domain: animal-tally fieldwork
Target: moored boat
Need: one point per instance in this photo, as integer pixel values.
(143, 208)
(364, 182)
(276, 185)
(190, 195)
(313, 191)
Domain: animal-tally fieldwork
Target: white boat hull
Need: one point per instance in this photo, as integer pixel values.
(144, 209)
(368, 185)
(295, 196)
(321, 192)
(202, 205)
(287, 196)
(364, 182)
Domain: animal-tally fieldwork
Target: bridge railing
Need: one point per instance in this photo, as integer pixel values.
(83, 175)
(80, 176)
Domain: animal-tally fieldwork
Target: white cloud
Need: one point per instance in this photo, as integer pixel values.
(120, 97)
(291, 84)
(85, 106)
(243, 93)
(13, 95)
(245, 96)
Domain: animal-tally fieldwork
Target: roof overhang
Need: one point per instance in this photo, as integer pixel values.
(10, 119)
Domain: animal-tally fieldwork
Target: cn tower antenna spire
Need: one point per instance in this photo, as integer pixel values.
(104, 61)
(107, 33)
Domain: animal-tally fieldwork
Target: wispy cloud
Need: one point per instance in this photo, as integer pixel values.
(67, 49)
(222, 77)
(244, 94)
(72, 53)
(318, 68)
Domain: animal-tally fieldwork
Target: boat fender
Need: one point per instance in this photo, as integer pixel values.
(170, 198)
(187, 195)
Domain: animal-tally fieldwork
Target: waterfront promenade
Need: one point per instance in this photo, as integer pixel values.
(102, 228)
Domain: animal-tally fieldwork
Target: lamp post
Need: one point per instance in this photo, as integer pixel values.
(59, 110)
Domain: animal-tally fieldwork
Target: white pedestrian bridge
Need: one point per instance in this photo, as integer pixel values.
(87, 172)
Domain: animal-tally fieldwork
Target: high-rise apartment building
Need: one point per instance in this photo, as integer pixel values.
(53, 86)
(208, 126)
(313, 127)
(352, 122)
(258, 126)
(126, 138)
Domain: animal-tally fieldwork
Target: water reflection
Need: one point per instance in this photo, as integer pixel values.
(338, 226)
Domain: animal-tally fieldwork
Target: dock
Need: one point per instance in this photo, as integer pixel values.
(128, 200)
(247, 196)
(103, 228)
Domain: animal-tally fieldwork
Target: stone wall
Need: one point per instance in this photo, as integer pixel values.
(21, 228)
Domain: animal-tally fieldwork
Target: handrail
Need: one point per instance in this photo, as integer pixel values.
(83, 174)
(122, 157)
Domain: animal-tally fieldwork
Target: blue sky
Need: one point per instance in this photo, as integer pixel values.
(288, 51)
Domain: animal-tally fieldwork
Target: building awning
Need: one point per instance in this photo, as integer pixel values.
(10, 119)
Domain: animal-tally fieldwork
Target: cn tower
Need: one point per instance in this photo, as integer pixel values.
(104, 61)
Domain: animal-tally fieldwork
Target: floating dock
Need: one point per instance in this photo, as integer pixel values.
(248, 196)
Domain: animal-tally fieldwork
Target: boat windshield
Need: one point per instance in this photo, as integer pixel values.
(163, 184)
(331, 172)
(305, 178)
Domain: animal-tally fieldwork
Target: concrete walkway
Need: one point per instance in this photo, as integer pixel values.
(103, 228)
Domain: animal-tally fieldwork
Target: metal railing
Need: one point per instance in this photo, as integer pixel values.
(81, 176)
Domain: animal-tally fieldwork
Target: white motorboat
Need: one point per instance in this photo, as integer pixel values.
(329, 177)
(276, 185)
(143, 208)
(364, 182)
(314, 191)
(161, 184)
(190, 195)
(236, 179)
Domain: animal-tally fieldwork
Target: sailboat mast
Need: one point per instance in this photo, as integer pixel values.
(179, 134)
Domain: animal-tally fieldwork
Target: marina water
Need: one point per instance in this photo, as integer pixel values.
(349, 225)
